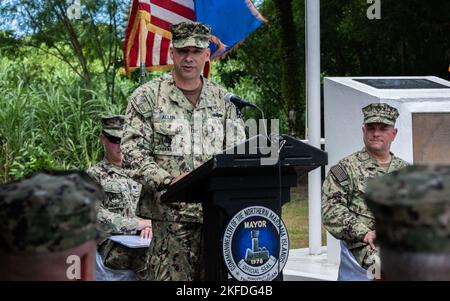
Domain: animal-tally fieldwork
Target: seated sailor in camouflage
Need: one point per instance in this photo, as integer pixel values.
(344, 211)
(118, 210)
(173, 125)
(48, 227)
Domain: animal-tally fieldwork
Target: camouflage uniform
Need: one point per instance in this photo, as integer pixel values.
(344, 211)
(49, 212)
(117, 212)
(412, 217)
(165, 136)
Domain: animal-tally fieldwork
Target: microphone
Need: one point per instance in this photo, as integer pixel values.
(238, 102)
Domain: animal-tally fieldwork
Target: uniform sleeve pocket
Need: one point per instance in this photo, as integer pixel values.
(359, 207)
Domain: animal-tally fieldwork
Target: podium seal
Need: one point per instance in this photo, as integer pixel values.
(255, 245)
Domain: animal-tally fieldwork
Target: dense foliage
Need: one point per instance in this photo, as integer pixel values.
(58, 76)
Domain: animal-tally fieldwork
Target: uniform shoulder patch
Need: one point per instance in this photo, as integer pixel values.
(143, 96)
(142, 106)
(339, 172)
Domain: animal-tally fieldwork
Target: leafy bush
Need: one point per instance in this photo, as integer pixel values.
(31, 159)
(48, 120)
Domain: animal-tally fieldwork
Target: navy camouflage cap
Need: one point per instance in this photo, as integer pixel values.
(380, 112)
(113, 125)
(190, 34)
(412, 208)
(49, 212)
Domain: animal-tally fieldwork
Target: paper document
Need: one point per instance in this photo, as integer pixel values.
(131, 241)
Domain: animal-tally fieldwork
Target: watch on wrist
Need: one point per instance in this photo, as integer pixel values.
(166, 182)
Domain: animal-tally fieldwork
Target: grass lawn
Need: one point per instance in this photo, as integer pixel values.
(295, 217)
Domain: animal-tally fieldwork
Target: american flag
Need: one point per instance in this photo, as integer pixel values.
(153, 19)
(148, 32)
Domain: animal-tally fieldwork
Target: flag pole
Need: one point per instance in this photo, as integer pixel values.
(142, 49)
(313, 119)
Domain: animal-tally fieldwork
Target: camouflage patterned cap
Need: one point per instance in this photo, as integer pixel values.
(113, 125)
(49, 212)
(380, 112)
(412, 208)
(194, 34)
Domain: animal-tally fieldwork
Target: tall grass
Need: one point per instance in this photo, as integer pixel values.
(50, 121)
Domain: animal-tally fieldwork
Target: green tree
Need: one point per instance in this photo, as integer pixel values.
(95, 36)
(263, 71)
(292, 72)
(411, 38)
(9, 44)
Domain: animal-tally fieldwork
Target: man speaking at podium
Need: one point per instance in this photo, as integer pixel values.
(173, 125)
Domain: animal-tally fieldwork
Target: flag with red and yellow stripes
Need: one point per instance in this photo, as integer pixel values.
(149, 23)
(148, 36)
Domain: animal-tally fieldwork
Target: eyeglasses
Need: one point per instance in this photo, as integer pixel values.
(112, 139)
